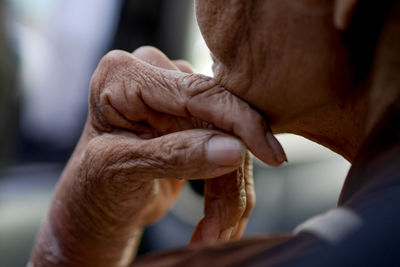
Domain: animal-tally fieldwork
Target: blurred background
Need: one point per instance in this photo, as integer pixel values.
(48, 51)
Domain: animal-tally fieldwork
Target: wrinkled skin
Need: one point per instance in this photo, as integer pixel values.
(287, 59)
(151, 126)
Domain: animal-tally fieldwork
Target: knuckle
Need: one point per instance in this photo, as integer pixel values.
(175, 153)
(196, 85)
(115, 57)
(106, 70)
(108, 90)
(200, 97)
(175, 158)
(147, 50)
(112, 64)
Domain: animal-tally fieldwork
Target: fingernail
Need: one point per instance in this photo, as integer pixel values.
(225, 151)
(226, 234)
(280, 155)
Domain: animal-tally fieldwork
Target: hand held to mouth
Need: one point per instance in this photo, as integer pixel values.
(150, 128)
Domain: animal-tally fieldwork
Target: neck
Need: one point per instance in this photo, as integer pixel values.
(344, 127)
(339, 127)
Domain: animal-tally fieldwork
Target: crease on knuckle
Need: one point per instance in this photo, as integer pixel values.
(106, 77)
(201, 104)
(174, 159)
(172, 153)
(196, 84)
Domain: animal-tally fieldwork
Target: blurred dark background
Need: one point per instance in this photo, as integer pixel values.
(48, 51)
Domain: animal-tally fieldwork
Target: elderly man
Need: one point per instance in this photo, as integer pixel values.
(326, 70)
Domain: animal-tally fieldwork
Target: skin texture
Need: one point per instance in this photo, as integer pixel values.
(296, 60)
(150, 126)
(289, 60)
(148, 130)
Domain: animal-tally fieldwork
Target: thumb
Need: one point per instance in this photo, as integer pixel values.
(191, 154)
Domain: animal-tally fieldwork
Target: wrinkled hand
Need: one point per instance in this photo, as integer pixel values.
(152, 125)
(148, 111)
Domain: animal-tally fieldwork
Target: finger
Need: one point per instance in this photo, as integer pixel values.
(231, 223)
(164, 123)
(225, 202)
(200, 97)
(151, 123)
(191, 154)
(154, 57)
(183, 66)
(250, 198)
(181, 95)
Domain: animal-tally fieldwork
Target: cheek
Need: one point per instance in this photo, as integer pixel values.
(285, 63)
(222, 25)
